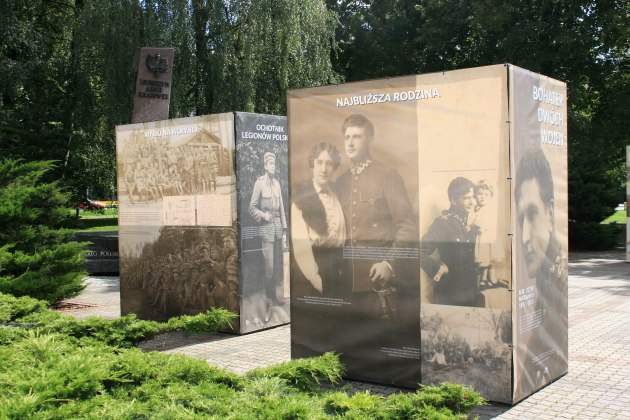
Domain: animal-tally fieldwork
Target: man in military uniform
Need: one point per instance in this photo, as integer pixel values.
(267, 209)
(447, 250)
(214, 170)
(546, 261)
(229, 290)
(378, 218)
(189, 166)
(377, 211)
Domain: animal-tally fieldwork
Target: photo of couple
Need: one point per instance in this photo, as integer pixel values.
(367, 206)
(354, 246)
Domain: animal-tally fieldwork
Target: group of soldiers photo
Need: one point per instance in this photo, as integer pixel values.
(187, 271)
(151, 169)
(448, 354)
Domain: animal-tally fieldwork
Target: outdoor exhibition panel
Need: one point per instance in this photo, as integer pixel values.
(415, 255)
(627, 203)
(202, 217)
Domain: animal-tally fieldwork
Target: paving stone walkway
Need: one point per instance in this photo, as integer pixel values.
(597, 385)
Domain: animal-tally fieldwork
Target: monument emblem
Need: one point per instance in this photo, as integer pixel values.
(153, 84)
(156, 64)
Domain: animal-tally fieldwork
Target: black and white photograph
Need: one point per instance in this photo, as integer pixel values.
(468, 345)
(318, 236)
(544, 314)
(540, 212)
(462, 252)
(354, 237)
(179, 270)
(262, 195)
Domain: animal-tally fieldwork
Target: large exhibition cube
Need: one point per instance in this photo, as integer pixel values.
(627, 203)
(429, 228)
(203, 218)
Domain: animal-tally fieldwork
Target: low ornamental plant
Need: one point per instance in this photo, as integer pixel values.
(38, 256)
(25, 313)
(52, 366)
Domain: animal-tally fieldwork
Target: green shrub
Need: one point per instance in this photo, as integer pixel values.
(56, 376)
(54, 366)
(304, 374)
(455, 398)
(125, 331)
(594, 236)
(357, 406)
(12, 308)
(447, 401)
(38, 257)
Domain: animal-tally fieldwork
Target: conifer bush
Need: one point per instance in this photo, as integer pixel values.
(25, 313)
(38, 256)
(54, 366)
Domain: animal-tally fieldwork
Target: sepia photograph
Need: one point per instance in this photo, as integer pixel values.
(177, 236)
(463, 252)
(468, 345)
(541, 236)
(262, 194)
(178, 271)
(543, 304)
(191, 157)
(354, 233)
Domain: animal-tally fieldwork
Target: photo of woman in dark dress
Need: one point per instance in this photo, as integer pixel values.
(318, 223)
(318, 234)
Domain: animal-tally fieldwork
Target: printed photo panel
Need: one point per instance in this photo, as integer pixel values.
(354, 226)
(466, 345)
(540, 222)
(464, 232)
(178, 270)
(262, 195)
(446, 145)
(177, 211)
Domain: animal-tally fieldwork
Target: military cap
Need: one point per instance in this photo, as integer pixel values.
(228, 233)
(269, 156)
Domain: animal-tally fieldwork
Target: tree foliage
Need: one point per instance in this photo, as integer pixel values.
(38, 257)
(256, 50)
(584, 43)
(67, 67)
(68, 76)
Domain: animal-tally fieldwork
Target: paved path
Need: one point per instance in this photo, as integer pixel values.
(597, 385)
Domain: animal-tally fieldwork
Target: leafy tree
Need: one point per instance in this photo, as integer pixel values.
(584, 43)
(68, 76)
(33, 66)
(256, 50)
(37, 256)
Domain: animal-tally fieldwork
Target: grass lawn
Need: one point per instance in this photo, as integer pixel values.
(618, 217)
(91, 221)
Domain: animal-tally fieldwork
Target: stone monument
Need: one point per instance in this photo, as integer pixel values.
(153, 84)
